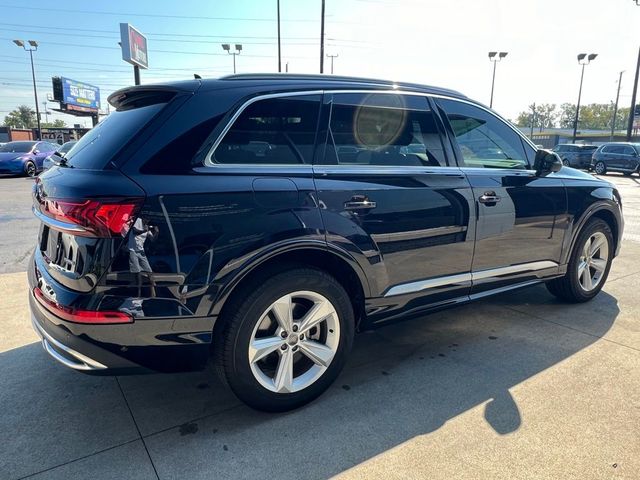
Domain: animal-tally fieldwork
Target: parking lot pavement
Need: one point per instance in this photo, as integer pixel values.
(18, 226)
(517, 386)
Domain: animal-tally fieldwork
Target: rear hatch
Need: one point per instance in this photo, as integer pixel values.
(85, 204)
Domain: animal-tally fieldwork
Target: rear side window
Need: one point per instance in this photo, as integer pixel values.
(273, 131)
(383, 129)
(102, 142)
(484, 140)
(627, 150)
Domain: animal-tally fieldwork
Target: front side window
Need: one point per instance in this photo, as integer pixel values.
(273, 131)
(383, 129)
(484, 140)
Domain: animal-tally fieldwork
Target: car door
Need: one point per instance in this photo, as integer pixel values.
(522, 217)
(40, 151)
(628, 157)
(390, 197)
(613, 156)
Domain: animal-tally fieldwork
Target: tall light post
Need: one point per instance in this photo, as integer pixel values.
(227, 48)
(615, 108)
(584, 60)
(335, 55)
(495, 57)
(33, 46)
(279, 54)
(322, 38)
(633, 94)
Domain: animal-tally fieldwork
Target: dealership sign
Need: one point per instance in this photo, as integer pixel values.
(134, 46)
(74, 95)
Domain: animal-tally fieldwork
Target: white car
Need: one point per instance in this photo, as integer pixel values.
(61, 152)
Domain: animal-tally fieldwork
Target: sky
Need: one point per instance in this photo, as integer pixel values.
(434, 42)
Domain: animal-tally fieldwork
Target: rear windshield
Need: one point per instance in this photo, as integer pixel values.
(589, 147)
(17, 147)
(103, 141)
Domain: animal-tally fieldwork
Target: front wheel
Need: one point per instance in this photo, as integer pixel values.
(600, 168)
(287, 340)
(30, 169)
(588, 266)
(566, 163)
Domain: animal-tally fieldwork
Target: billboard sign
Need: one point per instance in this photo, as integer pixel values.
(134, 46)
(76, 95)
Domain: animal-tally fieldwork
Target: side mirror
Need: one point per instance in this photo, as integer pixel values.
(547, 162)
(36, 151)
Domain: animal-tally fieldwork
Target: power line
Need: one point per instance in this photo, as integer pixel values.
(153, 15)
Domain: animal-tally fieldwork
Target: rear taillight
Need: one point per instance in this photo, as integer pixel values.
(97, 218)
(81, 316)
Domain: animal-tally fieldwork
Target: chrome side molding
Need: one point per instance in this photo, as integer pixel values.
(470, 277)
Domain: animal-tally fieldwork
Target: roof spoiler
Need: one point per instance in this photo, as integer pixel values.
(140, 96)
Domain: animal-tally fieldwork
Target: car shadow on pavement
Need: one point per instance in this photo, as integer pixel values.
(402, 381)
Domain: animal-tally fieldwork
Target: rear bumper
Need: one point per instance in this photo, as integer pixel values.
(163, 344)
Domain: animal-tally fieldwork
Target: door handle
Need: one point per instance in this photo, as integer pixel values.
(359, 202)
(489, 198)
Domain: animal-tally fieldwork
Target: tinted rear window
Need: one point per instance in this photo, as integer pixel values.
(103, 141)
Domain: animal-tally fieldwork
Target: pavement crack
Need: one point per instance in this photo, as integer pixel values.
(144, 444)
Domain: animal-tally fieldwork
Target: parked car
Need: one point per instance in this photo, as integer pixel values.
(24, 157)
(60, 152)
(574, 155)
(168, 238)
(616, 157)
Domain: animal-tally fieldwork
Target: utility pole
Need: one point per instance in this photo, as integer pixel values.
(633, 100)
(615, 109)
(279, 54)
(332, 57)
(322, 39)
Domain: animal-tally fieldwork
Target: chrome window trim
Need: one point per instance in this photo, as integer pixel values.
(208, 162)
(412, 287)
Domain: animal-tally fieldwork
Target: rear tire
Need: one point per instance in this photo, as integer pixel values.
(588, 266)
(269, 356)
(600, 168)
(566, 163)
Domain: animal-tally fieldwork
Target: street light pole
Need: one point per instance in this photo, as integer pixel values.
(33, 47)
(615, 108)
(495, 57)
(279, 56)
(322, 39)
(633, 100)
(332, 57)
(584, 60)
(238, 48)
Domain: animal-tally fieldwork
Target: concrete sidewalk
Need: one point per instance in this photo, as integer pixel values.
(517, 386)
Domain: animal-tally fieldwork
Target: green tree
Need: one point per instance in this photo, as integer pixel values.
(545, 116)
(55, 124)
(21, 117)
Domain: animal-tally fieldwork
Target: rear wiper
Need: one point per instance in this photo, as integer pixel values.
(61, 162)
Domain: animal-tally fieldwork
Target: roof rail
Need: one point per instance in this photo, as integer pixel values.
(333, 78)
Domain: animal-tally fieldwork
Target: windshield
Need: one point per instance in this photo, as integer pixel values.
(17, 147)
(66, 147)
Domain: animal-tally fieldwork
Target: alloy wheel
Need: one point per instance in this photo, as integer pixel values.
(599, 168)
(593, 261)
(294, 342)
(31, 169)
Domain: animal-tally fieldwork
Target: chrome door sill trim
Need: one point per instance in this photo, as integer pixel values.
(471, 277)
(50, 344)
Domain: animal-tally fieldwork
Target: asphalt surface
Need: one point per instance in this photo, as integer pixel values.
(515, 386)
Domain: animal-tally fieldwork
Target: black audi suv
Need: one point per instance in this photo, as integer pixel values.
(259, 221)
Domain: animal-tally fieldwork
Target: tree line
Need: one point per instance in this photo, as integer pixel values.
(25, 117)
(595, 116)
